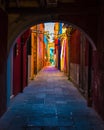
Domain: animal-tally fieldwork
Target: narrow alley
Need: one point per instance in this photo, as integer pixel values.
(50, 102)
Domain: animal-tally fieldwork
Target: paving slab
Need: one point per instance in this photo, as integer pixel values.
(50, 102)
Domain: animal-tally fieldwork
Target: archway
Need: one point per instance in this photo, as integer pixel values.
(82, 22)
(24, 27)
(19, 23)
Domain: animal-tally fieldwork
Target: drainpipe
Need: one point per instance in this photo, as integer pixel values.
(68, 32)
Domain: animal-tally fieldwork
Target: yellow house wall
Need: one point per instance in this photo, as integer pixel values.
(33, 53)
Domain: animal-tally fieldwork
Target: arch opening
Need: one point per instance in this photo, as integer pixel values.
(30, 24)
(76, 63)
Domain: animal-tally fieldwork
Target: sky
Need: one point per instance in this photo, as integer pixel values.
(49, 27)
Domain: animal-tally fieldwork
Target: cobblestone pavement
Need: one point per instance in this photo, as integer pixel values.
(50, 102)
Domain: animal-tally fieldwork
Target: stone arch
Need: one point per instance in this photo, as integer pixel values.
(21, 22)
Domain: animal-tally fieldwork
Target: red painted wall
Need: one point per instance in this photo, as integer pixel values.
(3, 60)
(79, 59)
(17, 67)
(20, 63)
(24, 65)
(24, 37)
(75, 56)
(75, 47)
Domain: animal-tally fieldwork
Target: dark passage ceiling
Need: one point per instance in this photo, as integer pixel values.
(43, 3)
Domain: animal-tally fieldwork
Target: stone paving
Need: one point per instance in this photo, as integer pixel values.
(50, 102)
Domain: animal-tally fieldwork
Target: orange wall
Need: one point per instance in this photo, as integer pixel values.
(40, 47)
